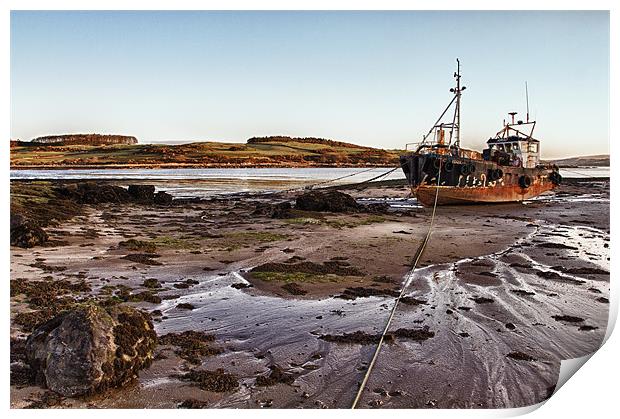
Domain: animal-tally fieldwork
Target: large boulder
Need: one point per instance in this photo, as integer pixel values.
(27, 234)
(142, 193)
(331, 201)
(162, 198)
(91, 348)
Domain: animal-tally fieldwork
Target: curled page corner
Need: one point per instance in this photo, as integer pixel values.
(613, 315)
(518, 411)
(568, 367)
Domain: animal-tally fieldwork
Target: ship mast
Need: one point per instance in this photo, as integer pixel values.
(454, 126)
(457, 111)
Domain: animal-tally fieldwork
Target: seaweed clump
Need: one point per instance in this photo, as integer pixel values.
(277, 375)
(482, 300)
(360, 292)
(412, 301)
(366, 339)
(359, 337)
(326, 268)
(415, 334)
(520, 356)
(217, 381)
(568, 319)
(143, 258)
(294, 289)
(193, 404)
(191, 345)
(48, 298)
(138, 245)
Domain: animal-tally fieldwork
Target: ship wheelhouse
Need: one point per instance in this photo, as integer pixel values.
(513, 146)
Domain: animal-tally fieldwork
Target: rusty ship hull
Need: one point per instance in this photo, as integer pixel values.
(469, 180)
(449, 195)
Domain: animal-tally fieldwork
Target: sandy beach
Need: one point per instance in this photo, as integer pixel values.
(293, 306)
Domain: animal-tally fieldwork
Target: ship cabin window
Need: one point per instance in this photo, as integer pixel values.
(532, 147)
(515, 147)
(500, 147)
(508, 148)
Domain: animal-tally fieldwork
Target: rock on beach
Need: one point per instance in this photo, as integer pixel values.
(89, 349)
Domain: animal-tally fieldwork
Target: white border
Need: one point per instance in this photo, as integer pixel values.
(592, 394)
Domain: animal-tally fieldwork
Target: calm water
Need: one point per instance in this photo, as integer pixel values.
(281, 174)
(200, 182)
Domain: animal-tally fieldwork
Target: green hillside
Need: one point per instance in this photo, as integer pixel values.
(257, 152)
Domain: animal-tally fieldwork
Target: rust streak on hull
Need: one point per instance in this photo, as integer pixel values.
(450, 195)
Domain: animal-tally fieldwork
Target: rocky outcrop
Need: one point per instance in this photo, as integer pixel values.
(377, 208)
(334, 201)
(84, 139)
(98, 193)
(142, 193)
(279, 210)
(40, 206)
(95, 193)
(162, 198)
(331, 201)
(17, 220)
(27, 234)
(89, 349)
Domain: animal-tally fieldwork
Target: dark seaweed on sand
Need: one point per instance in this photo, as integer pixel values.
(355, 337)
(294, 289)
(191, 345)
(569, 319)
(520, 356)
(276, 375)
(217, 381)
(329, 267)
(361, 292)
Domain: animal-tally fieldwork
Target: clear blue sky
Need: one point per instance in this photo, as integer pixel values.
(372, 78)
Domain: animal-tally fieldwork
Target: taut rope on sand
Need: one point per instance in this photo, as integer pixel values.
(418, 255)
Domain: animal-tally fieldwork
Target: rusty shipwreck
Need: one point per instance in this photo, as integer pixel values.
(440, 172)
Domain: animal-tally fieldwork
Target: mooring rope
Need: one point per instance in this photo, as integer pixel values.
(581, 174)
(343, 177)
(301, 188)
(400, 295)
(376, 177)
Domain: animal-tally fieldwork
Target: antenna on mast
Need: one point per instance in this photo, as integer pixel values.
(527, 104)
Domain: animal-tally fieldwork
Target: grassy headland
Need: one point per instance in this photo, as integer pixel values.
(257, 152)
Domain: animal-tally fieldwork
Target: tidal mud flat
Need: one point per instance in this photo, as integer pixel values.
(260, 303)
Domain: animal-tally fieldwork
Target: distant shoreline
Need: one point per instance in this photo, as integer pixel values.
(192, 166)
(220, 166)
(82, 153)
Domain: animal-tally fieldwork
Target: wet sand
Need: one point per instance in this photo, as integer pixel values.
(506, 292)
